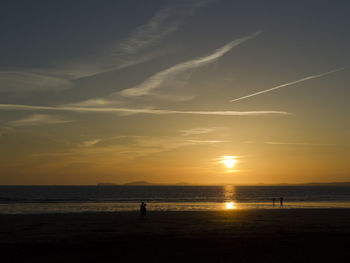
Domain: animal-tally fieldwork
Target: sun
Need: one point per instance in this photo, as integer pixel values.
(229, 161)
(230, 205)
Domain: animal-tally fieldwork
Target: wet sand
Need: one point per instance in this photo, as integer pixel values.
(273, 235)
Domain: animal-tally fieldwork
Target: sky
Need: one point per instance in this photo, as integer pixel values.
(196, 91)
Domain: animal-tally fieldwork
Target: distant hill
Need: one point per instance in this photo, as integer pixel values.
(141, 183)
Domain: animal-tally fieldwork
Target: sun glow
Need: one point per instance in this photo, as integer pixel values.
(230, 205)
(229, 161)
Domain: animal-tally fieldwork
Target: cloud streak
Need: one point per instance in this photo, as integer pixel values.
(298, 143)
(150, 32)
(159, 78)
(164, 22)
(139, 111)
(14, 81)
(288, 84)
(197, 131)
(37, 119)
(206, 141)
(90, 143)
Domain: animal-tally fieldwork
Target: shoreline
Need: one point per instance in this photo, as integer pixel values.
(100, 207)
(155, 212)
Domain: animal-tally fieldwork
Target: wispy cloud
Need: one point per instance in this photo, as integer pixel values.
(196, 131)
(159, 78)
(298, 143)
(14, 81)
(99, 102)
(100, 63)
(37, 119)
(140, 111)
(109, 151)
(149, 33)
(288, 84)
(205, 141)
(164, 22)
(281, 143)
(90, 143)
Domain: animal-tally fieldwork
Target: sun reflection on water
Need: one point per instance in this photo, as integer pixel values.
(229, 192)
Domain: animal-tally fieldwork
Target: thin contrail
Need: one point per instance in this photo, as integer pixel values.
(288, 84)
(139, 111)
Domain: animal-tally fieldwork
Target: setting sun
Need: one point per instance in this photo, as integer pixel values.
(229, 161)
(230, 205)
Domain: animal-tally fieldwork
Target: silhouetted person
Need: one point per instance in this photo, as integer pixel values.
(143, 209)
(273, 201)
(281, 201)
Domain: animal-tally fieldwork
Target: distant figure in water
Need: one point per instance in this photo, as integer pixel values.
(281, 201)
(273, 201)
(143, 209)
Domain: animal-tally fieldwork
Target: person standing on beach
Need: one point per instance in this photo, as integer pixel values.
(281, 201)
(273, 201)
(143, 209)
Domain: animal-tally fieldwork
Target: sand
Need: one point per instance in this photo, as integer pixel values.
(272, 235)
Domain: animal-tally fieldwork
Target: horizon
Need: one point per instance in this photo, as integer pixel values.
(209, 92)
(144, 183)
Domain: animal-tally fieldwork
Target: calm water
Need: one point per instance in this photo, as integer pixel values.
(52, 199)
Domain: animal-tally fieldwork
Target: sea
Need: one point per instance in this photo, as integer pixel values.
(80, 199)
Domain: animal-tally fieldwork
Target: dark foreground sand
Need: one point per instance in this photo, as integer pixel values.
(281, 235)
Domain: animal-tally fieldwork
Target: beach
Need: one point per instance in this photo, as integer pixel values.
(247, 235)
